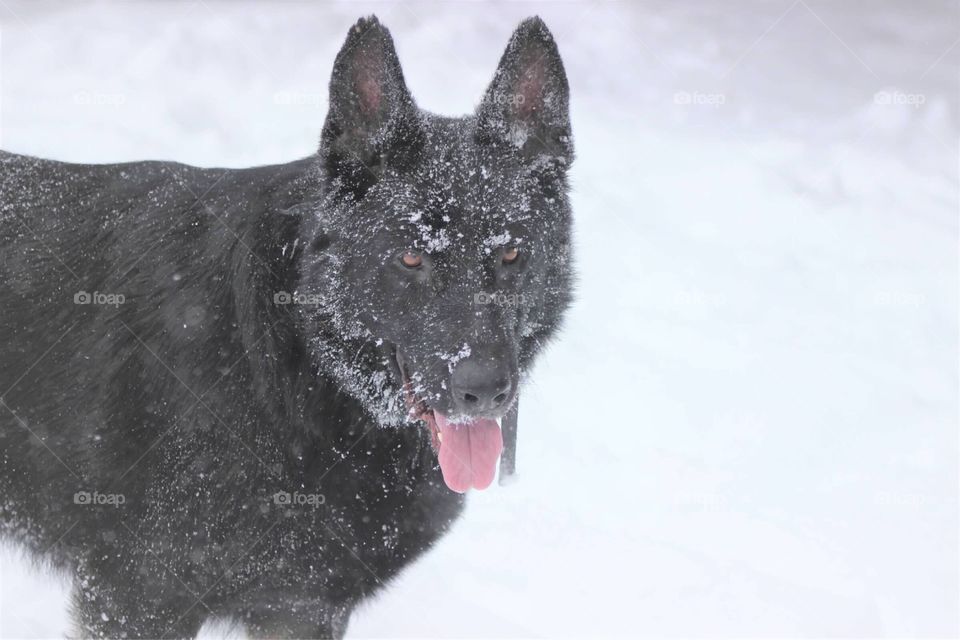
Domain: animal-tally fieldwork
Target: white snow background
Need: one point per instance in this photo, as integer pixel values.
(749, 426)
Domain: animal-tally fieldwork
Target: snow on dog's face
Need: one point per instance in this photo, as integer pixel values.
(440, 252)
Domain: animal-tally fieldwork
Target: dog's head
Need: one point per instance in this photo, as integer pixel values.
(440, 254)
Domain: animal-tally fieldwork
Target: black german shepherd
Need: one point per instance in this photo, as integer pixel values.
(212, 379)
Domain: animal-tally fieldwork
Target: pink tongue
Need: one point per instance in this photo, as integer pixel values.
(468, 452)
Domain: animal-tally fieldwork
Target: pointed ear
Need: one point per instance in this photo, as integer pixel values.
(371, 110)
(527, 104)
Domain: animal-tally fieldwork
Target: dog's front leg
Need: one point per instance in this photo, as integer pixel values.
(116, 607)
(288, 619)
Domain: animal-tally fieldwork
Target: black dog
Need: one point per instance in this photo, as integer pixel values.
(211, 379)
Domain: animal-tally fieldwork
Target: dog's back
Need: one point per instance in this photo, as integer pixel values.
(93, 257)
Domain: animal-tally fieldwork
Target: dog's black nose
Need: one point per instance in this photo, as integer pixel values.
(480, 386)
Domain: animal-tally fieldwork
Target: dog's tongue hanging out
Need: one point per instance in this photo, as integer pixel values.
(468, 452)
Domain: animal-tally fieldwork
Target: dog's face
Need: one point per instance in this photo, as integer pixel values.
(441, 249)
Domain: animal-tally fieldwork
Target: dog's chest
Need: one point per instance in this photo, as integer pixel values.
(361, 517)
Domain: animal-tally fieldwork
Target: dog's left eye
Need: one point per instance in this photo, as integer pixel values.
(510, 255)
(411, 259)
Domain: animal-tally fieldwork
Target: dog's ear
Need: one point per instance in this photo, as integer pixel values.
(527, 103)
(371, 111)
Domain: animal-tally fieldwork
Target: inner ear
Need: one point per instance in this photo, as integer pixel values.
(527, 103)
(360, 95)
(530, 90)
(370, 93)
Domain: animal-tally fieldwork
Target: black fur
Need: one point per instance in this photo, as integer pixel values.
(254, 354)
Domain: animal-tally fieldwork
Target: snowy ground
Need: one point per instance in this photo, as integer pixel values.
(750, 426)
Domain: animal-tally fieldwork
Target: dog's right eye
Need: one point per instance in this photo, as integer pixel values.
(411, 259)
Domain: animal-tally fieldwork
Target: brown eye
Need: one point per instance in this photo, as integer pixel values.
(411, 259)
(510, 255)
